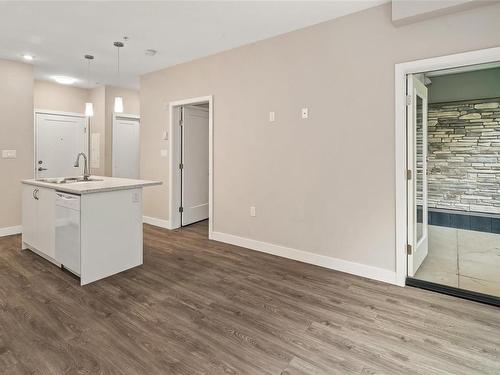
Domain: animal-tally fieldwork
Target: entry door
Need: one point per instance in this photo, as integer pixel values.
(417, 174)
(126, 147)
(59, 139)
(194, 164)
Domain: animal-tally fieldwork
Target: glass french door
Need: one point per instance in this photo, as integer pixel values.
(417, 173)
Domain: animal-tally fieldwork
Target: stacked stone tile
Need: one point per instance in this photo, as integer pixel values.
(464, 155)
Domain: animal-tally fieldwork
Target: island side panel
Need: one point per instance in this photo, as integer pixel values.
(111, 233)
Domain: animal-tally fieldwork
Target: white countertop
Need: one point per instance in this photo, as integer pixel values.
(106, 184)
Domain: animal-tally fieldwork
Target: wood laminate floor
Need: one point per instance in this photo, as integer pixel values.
(204, 307)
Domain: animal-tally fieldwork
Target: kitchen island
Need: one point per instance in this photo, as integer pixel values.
(91, 228)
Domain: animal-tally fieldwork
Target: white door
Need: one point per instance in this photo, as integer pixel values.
(59, 139)
(417, 179)
(126, 147)
(194, 164)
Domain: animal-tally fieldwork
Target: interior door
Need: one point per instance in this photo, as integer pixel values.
(59, 139)
(126, 147)
(194, 164)
(417, 174)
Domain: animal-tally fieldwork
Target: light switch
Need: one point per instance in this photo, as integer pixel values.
(164, 136)
(305, 113)
(272, 117)
(9, 154)
(252, 211)
(163, 153)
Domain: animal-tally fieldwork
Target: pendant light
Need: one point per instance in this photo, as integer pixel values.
(118, 108)
(89, 107)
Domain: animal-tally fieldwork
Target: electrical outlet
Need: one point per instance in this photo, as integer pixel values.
(305, 113)
(272, 117)
(252, 211)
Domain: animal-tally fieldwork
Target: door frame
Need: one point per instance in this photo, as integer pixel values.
(401, 71)
(38, 111)
(419, 248)
(174, 175)
(113, 126)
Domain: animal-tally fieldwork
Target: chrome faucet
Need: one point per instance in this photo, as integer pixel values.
(86, 173)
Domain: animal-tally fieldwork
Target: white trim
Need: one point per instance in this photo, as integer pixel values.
(126, 115)
(59, 113)
(174, 200)
(156, 222)
(113, 126)
(401, 70)
(9, 231)
(353, 268)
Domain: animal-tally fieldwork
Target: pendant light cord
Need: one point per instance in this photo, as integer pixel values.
(118, 64)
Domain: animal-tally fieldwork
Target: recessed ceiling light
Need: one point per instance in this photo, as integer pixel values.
(64, 80)
(28, 57)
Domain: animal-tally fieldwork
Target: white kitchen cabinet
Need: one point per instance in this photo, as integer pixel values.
(39, 220)
(92, 228)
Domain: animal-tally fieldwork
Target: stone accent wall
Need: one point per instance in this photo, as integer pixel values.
(464, 155)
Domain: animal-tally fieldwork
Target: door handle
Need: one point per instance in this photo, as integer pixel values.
(41, 169)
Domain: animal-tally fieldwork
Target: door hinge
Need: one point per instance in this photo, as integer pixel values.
(409, 249)
(408, 99)
(408, 174)
(181, 166)
(181, 209)
(181, 122)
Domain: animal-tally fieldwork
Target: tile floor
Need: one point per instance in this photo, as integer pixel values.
(464, 259)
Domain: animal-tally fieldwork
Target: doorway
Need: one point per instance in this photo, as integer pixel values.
(190, 138)
(126, 146)
(59, 138)
(453, 180)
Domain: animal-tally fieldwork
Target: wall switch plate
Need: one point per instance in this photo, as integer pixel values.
(252, 211)
(272, 117)
(163, 153)
(9, 154)
(305, 113)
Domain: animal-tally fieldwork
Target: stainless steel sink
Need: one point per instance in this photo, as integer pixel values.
(68, 180)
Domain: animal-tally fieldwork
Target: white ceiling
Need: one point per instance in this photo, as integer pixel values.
(59, 33)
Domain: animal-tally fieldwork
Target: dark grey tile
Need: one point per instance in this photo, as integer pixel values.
(481, 224)
(460, 221)
(495, 225)
(442, 219)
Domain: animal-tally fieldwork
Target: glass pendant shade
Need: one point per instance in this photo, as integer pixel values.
(119, 104)
(89, 109)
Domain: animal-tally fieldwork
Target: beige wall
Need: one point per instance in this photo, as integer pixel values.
(323, 185)
(56, 97)
(407, 11)
(131, 105)
(16, 133)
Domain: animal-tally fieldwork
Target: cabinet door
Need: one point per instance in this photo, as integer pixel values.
(45, 232)
(29, 215)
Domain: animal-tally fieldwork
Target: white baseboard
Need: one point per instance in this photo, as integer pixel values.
(9, 231)
(156, 222)
(358, 269)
